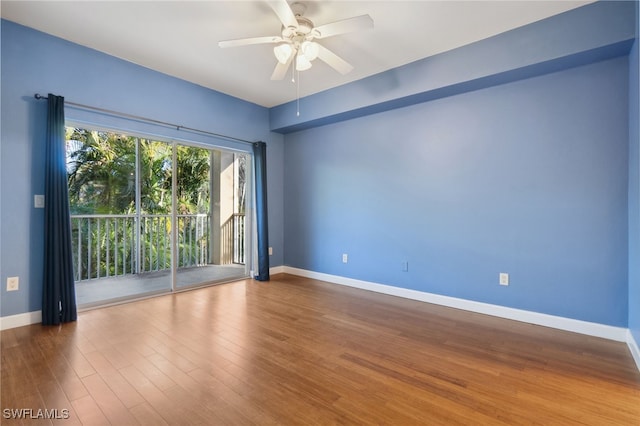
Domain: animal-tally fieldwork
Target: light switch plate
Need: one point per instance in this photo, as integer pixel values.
(38, 201)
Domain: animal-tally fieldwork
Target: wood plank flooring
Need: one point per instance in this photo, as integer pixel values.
(299, 351)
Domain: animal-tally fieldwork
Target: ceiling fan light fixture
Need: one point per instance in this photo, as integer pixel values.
(283, 52)
(310, 50)
(302, 62)
(296, 39)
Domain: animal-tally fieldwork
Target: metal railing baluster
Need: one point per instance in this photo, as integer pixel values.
(89, 249)
(115, 252)
(108, 246)
(79, 257)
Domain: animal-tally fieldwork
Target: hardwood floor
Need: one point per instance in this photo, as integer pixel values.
(296, 351)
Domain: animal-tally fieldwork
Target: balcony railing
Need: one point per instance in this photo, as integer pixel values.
(233, 240)
(116, 245)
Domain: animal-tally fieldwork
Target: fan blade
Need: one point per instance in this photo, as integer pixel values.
(333, 60)
(281, 69)
(248, 41)
(357, 23)
(284, 12)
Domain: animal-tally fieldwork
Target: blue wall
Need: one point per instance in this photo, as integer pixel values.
(34, 62)
(528, 178)
(634, 187)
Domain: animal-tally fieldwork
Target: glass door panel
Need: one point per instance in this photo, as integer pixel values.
(210, 223)
(155, 215)
(120, 203)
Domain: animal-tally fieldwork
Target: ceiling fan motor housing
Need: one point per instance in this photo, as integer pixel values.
(305, 26)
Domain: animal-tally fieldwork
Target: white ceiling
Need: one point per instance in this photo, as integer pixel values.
(180, 38)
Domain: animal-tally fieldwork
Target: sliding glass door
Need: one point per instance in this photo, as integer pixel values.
(150, 216)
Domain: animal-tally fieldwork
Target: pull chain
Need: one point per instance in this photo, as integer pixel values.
(295, 81)
(298, 96)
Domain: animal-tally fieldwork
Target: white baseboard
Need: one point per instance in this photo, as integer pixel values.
(618, 334)
(633, 347)
(13, 321)
(276, 270)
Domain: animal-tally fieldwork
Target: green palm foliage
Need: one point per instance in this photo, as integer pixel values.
(100, 172)
(193, 180)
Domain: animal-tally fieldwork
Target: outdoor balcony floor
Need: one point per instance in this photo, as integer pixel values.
(113, 289)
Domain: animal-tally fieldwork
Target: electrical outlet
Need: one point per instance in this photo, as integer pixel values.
(504, 278)
(13, 283)
(270, 251)
(345, 257)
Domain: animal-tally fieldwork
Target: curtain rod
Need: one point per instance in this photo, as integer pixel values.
(149, 120)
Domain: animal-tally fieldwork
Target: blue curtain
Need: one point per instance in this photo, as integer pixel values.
(58, 296)
(260, 161)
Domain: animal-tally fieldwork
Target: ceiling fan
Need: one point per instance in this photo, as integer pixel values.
(297, 39)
